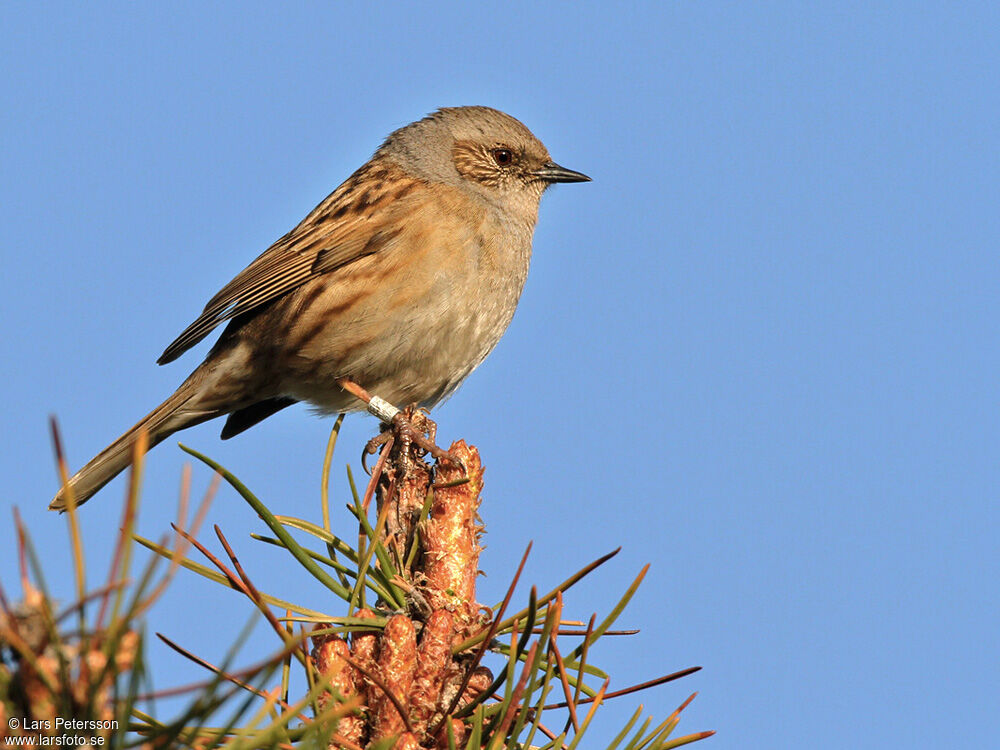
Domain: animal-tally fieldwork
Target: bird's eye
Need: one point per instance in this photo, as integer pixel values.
(504, 157)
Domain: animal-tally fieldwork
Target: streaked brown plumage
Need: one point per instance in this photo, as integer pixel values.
(402, 280)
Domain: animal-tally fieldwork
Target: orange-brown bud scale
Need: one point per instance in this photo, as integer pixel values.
(363, 648)
(480, 681)
(397, 663)
(433, 664)
(38, 698)
(450, 536)
(407, 741)
(330, 654)
(458, 729)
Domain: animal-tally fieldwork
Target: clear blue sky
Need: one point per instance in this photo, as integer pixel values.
(759, 351)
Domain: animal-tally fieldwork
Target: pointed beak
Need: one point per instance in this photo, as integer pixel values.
(552, 172)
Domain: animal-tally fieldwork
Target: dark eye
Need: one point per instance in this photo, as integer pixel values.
(504, 157)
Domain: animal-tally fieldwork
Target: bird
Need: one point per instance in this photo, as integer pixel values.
(401, 281)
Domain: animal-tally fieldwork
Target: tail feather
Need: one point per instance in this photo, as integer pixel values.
(176, 413)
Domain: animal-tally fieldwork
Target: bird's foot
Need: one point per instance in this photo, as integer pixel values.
(411, 427)
(414, 433)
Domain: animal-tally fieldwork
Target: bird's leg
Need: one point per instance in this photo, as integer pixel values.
(410, 455)
(411, 425)
(413, 428)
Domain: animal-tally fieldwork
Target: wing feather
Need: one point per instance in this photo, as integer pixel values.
(343, 228)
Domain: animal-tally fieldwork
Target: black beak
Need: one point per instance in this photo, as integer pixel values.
(552, 172)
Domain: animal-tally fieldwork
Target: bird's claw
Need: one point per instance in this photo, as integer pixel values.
(373, 446)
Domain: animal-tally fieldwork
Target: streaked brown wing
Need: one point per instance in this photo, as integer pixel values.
(343, 228)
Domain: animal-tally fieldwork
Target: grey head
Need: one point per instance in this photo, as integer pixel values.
(479, 149)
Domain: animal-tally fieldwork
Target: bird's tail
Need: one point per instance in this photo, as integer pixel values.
(177, 412)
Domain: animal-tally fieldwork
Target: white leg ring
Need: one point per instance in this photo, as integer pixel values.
(382, 409)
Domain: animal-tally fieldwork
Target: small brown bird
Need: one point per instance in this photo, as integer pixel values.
(401, 281)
